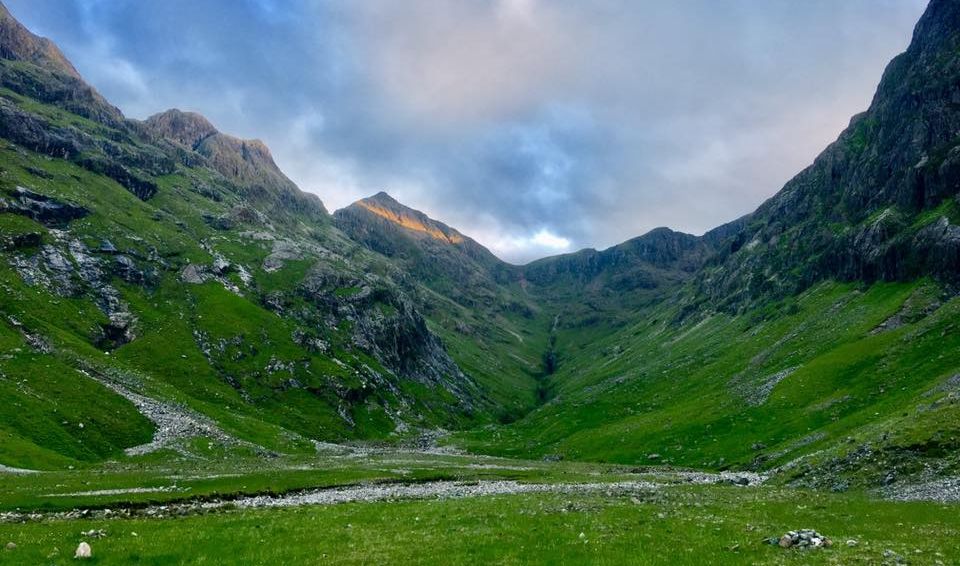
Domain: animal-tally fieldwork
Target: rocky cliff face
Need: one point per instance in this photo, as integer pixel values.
(881, 203)
(188, 129)
(247, 163)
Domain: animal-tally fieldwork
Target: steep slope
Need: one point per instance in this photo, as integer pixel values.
(18, 44)
(173, 263)
(878, 204)
(36, 67)
(493, 327)
(247, 163)
(821, 338)
(442, 257)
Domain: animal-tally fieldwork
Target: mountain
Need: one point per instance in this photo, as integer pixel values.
(35, 67)
(247, 163)
(879, 204)
(491, 324)
(163, 268)
(427, 248)
(608, 287)
(164, 264)
(816, 336)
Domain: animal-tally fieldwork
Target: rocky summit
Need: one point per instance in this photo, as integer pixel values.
(183, 331)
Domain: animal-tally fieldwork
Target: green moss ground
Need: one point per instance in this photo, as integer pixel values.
(681, 525)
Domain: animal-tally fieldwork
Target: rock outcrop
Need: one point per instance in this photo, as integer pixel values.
(44, 209)
(865, 209)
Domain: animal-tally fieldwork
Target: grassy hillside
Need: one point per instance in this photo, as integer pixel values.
(232, 300)
(837, 369)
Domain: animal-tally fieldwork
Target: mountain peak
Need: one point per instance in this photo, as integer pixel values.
(19, 44)
(383, 196)
(385, 206)
(195, 131)
(186, 128)
(246, 162)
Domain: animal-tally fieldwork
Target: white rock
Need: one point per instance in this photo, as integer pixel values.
(83, 551)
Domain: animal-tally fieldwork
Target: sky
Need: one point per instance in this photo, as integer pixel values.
(536, 127)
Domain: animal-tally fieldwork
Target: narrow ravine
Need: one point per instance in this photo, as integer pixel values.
(549, 364)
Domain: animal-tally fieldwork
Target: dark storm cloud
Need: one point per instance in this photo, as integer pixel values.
(534, 126)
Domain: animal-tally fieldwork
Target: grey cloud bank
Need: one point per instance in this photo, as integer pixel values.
(535, 127)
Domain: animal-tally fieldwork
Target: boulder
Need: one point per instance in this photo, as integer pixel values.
(194, 274)
(107, 247)
(83, 551)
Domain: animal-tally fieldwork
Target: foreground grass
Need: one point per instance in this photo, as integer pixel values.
(670, 525)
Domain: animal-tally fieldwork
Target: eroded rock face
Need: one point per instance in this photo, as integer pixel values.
(857, 211)
(32, 132)
(129, 164)
(938, 247)
(13, 242)
(44, 209)
(185, 128)
(67, 268)
(386, 324)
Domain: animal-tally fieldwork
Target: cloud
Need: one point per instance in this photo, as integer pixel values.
(582, 122)
(527, 247)
(449, 64)
(546, 239)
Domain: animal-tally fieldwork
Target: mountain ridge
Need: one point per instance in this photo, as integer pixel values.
(18, 43)
(246, 162)
(173, 259)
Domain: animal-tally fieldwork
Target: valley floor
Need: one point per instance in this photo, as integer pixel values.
(399, 507)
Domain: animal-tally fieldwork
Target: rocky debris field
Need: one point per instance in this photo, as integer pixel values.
(439, 490)
(734, 478)
(173, 422)
(943, 490)
(9, 470)
(332, 496)
(804, 539)
(647, 480)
